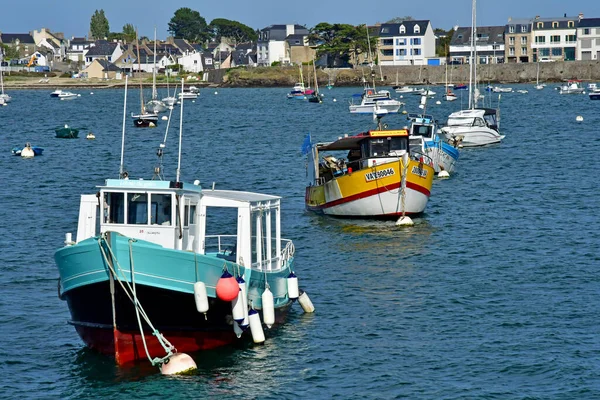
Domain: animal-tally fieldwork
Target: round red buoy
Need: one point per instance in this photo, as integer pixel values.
(227, 287)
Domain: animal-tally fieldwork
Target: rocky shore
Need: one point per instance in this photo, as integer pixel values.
(384, 76)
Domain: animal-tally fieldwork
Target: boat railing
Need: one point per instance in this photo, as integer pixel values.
(225, 246)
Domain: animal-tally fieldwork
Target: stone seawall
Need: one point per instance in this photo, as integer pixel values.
(413, 75)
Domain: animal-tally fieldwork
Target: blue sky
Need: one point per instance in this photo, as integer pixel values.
(73, 17)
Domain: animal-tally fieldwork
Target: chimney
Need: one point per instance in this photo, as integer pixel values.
(580, 16)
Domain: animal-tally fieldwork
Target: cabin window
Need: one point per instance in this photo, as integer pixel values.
(161, 209)
(137, 208)
(192, 214)
(381, 147)
(423, 130)
(114, 208)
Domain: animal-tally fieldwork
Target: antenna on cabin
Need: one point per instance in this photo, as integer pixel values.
(121, 172)
(180, 134)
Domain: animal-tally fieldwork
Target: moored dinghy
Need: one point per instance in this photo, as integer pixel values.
(150, 283)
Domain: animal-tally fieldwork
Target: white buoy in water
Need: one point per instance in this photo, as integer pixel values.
(443, 174)
(201, 297)
(292, 286)
(268, 308)
(334, 100)
(438, 102)
(258, 336)
(404, 112)
(216, 92)
(305, 303)
(151, 124)
(27, 151)
(91, 92)
(178, 363)
(405, 221)
(90, 136)
(164, 118)
(579, 118)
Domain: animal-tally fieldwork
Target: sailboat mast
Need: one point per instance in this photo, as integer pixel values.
(472, 57)
(180, 135)
(137, 44)
(154, 94)
(370, 57)
(123, 133)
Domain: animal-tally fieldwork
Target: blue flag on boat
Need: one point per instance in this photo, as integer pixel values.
(306, 145)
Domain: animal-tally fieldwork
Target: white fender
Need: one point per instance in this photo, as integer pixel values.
(201, 297)
(305, 303)
(268, 308)
(292, 286)
(237, 308)
(258, 336)
(242, 284)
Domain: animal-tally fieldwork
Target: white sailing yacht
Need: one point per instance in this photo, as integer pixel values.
(475, 126)
(537, 78)
(155, 105)
(5, 99)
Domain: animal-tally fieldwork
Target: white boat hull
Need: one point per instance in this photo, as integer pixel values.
(389, 106)
(471, 136)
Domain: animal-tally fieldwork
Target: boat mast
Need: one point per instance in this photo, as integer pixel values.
(180, 135)
(123, 133)
(154, 94)
(370, 58)
(137, 43)
(473, 66)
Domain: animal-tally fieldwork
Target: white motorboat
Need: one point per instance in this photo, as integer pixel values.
(572, 87)
(372, 100)
(187, 95)
(403, 89)
(498, 89)
(474, 126)
(471, 128)
(68, 95)
(424, 92)
(56, 93)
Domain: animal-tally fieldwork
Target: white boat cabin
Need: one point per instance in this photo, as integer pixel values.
(174, 215)
(482, 117)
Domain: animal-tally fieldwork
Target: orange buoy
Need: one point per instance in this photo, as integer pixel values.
(227, 287)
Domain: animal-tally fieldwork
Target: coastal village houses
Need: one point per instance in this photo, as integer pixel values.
(273, 45)
(517, 38)
(102, 49)
(588, 39)
(406, 43)
(554, 38)
(489, 45)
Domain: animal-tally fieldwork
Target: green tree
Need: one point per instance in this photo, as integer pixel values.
(190, 25)
(10, 52)
(398, 20)
(129, 33)
(443, 42)
(99, 25)
(233, 30)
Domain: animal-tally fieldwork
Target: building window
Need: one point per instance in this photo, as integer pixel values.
(524, 51)
(540, 25)
(571, 38)
(415, 41)
(511, 51)
(571, 24)
(400, 52)
(523, 28)
(415, 52)
(402, 29)
(416, 29)
(555, 39)
(385, 30)
(511, 40)
(511, 29)
(523, 39)
(586, 31)
(540, 39)
(400, 42)
(387, 52)
(544, 52)
(387, 42)
(554, 24)
(557, 52)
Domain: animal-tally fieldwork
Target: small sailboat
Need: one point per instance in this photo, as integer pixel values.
(537, 78)
(169, 101)
(5, 97)
(449, 95)
(144, 119)
(299, 91)
(315, 97)
(155, 105)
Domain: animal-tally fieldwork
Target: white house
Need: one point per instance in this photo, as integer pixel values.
(271, 44)
(191, 62)
(554, 38)
(101, 49)
(78, 47)
(588, 39)
(406, 43)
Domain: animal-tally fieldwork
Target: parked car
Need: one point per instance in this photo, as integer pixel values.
(546, 59)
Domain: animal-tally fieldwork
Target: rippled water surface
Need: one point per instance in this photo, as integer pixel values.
(494, 293)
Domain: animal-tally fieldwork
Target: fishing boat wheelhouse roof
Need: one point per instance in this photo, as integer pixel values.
(353, 142)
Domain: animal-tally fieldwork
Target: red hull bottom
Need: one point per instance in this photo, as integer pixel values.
(128, 347)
